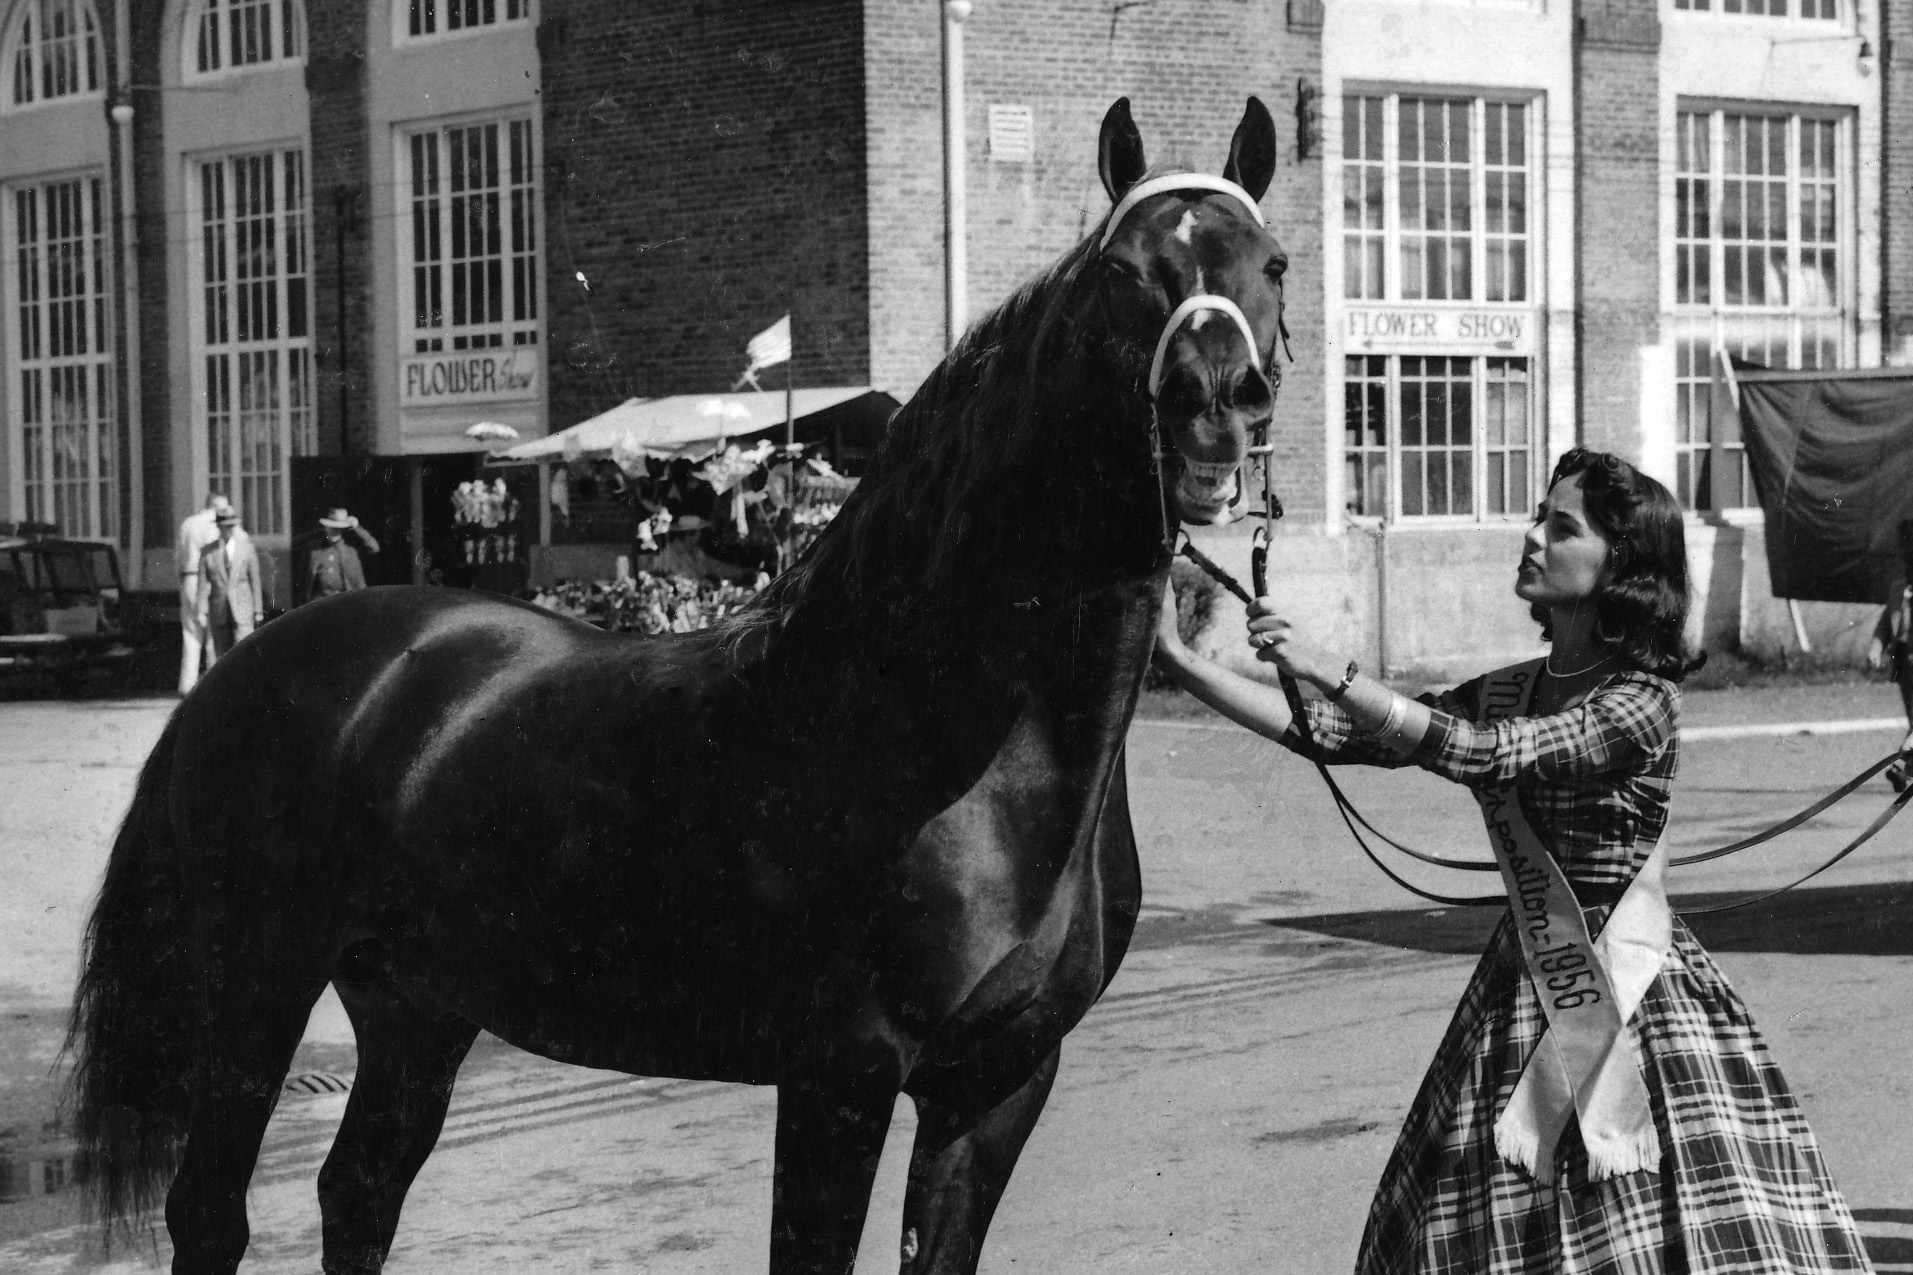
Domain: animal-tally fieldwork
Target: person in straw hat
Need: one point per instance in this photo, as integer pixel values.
(335, 567)
(231, 601)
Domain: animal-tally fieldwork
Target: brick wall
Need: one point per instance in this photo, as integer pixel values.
(704, 173)
(1617, 87)
(1896, 213)
(340, 189)
(1185, 65)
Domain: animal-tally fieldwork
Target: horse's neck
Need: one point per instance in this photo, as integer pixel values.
(925, 691)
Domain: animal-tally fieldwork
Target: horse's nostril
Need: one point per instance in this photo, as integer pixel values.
(1249, 391)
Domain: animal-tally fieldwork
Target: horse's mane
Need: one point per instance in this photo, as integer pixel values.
(930, 486)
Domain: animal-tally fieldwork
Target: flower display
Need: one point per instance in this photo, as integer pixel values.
(649, 604)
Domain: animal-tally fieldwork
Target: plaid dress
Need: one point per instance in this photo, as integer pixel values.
(1741, 1186)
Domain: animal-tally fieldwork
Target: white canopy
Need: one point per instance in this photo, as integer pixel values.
(687, 426)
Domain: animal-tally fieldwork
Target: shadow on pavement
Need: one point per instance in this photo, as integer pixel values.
(1840, 920)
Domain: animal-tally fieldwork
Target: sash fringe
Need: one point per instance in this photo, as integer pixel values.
(1612, 1157)
(1522, 1148)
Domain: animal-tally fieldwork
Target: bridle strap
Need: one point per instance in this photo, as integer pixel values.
(1181, 315)
(1169, 183)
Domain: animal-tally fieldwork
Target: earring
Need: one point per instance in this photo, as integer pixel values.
(1602, 635)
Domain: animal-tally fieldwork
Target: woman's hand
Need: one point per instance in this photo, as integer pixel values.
(1876, 654)
(1279, 643)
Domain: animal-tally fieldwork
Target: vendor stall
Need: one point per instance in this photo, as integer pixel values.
(695, 485)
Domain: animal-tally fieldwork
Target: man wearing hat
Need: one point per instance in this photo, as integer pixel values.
(231, 601)
(199, 530)
(335, 566)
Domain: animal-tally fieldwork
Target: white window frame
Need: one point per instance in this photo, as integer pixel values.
(1478, 235)
(1391, 450)
(1717, 9)
(441, 28)
(90, 65)
(511, 332)
(97, 487)
(1700, 329)
(286, 16)
(263, 492)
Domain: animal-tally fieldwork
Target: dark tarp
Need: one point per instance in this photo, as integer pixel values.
(1832, 460)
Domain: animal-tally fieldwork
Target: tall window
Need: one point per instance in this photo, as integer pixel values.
(254, 337)
(443, 17)
(1435, 198)
(1827, 10)
(1436, 193)
(53, 51)
(472, 196)
(1760, 266)
(60, 364)
(239, 33)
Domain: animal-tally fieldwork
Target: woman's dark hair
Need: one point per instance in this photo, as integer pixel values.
(1641, 603)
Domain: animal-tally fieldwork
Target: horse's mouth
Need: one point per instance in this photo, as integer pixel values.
(1205, 491)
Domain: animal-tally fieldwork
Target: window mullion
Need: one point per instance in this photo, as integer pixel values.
(1478, 200)
(1392, 413)
(1796, 302)
(1478, 435)
(1391, 198)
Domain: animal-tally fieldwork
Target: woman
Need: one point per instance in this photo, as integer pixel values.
(1681, 1148)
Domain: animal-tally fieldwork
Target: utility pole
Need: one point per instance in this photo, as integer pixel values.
(956, 298)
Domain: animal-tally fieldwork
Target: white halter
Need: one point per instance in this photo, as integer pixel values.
(1172, 182)
(1204, 474)
(1161, 186)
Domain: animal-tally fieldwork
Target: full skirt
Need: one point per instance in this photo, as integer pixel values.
(1741, 1186)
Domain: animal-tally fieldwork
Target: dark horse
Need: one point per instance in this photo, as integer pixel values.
(871, 837)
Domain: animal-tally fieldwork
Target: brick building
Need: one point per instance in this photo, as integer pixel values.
(1515, 225)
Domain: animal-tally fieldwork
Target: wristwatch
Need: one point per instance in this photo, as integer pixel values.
(1348, 680)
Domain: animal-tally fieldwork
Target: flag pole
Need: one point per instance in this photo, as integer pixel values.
(790, 419)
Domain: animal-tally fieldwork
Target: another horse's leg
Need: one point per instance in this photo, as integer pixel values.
(242, 1068)
(958, 1173)
(407, 1063)
(829, 1138)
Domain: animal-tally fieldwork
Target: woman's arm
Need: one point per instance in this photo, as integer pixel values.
(1396, 721)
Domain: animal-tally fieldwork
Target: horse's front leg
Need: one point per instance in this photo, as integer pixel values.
(959, 1168)
(830, 1131)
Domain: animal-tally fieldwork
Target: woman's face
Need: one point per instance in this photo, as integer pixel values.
(1564, 554)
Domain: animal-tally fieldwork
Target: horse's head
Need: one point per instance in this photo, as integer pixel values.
(1190, 273)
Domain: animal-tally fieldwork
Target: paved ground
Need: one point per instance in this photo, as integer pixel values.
(1227, 1106)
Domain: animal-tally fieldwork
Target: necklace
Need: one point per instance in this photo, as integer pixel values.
(1549, 665)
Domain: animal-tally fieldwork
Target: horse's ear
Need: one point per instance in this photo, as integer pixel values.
(1252, 150)
(1119, 153)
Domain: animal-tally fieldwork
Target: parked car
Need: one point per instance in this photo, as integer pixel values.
(64, 610)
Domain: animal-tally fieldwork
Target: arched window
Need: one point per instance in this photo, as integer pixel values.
(53, 51)
(228, 35)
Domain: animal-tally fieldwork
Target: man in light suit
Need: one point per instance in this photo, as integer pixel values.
(198, 531)
(231, 600)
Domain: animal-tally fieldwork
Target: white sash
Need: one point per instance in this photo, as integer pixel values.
(1585, 1064)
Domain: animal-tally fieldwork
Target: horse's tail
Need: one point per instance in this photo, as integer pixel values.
(132, 1033)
